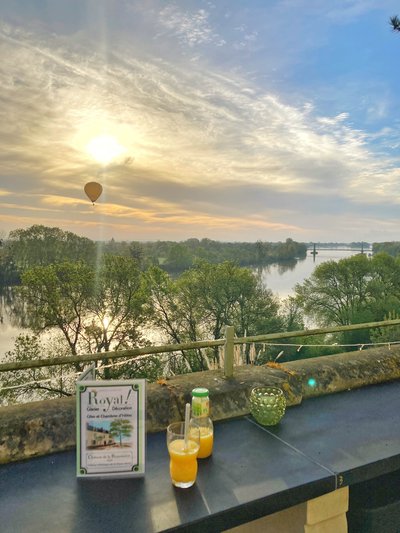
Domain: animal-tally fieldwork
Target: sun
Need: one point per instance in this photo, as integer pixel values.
(104, 149)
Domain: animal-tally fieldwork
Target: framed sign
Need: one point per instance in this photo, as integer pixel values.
(110, 427)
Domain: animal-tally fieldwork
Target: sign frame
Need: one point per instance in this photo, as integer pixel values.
(110, 427)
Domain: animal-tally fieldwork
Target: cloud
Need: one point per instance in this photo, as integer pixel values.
(206, 148)
(190, 28)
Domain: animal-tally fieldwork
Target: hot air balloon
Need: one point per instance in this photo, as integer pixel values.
(93, 190)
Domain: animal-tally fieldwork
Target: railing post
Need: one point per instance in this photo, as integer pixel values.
(228, 351)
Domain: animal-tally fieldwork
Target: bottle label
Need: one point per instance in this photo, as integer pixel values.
(200, 406)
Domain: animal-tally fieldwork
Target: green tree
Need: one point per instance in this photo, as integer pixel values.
(352, 291)
(120, 429)
(391, 248)
(175, 313)
(96, 311)
(36, 383)
(59, 296)
(137, 252)
(387, 334)
(384, 286)
(291, 314)
(178, 258)
(336, 291)
(164, 304)
(41, 246)
(206, 298)
(119, 306)
(260, 252)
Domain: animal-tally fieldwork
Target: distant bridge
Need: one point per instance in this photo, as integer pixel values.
(361, 250)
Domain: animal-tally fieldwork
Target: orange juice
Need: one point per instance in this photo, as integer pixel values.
(183, 462)
(206, 442)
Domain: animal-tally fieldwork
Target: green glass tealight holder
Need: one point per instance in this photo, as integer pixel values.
(267, 405)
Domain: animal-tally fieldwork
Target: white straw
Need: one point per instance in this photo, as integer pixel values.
(187, 418)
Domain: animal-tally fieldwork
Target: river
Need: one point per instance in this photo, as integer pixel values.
(280, 278)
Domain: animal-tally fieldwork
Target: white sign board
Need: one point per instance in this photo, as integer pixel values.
(110, 426)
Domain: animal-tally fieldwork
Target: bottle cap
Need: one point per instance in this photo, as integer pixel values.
(200, 392)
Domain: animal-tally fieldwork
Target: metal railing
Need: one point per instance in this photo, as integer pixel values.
(228, 343)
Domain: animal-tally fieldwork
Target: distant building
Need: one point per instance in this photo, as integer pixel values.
(98, 437)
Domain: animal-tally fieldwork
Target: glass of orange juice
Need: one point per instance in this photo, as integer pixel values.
(206, 441)
(183, 454)
(205, 427)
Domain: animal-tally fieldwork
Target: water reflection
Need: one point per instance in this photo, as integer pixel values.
(10, 324)
(280, 268)
(12, 309)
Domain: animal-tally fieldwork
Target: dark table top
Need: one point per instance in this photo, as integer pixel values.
(324, 443)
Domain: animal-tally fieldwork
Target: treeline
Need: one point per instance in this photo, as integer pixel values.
(392, 248)
(41, 245)
(178, 256)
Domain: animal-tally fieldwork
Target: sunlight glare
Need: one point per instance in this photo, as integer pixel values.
(104, 149)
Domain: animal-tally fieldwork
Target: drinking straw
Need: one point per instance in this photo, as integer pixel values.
(187, 418)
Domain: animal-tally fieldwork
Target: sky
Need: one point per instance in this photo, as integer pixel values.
(230, 120)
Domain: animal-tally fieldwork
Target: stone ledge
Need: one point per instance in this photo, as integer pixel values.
(39, 428)
(345, 371)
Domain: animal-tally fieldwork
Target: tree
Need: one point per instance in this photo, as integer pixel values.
(41, 246)
(391, 248)
(96, 311)
(387, 334)
(93, 310)
(175, 313)
(59, 296)
(260, 252)
(352, 291)
(383, 286)
(291, 314)
(179, 257)
(119, 306)
(120, 429)
(136, 251)
(336, 291)
(37, 383)
(206, 298)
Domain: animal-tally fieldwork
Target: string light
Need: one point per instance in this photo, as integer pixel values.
(48, 380)
(334, 344)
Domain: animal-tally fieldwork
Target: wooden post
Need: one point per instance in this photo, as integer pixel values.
(229, 349)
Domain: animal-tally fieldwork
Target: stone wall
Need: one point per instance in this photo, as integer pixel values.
(39, 428)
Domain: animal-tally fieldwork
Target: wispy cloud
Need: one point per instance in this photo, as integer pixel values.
(206, 148)
(190, 27)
